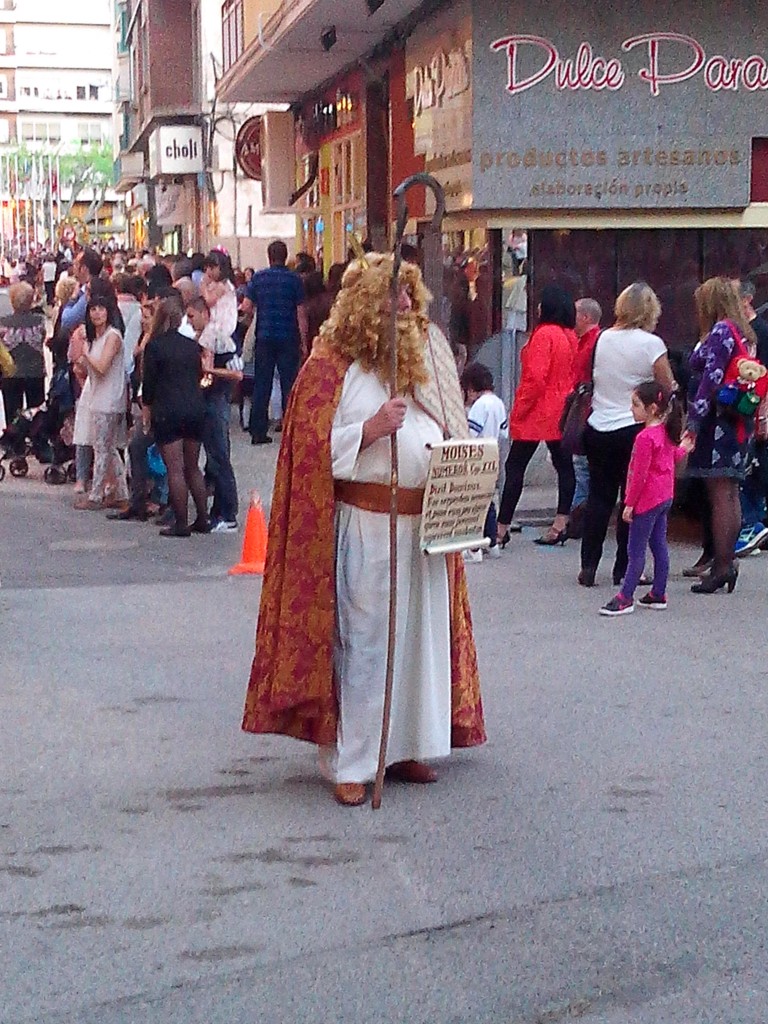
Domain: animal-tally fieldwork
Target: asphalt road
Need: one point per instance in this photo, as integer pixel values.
(602, 858)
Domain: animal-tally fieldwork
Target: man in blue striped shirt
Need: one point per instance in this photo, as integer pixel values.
(276, 296)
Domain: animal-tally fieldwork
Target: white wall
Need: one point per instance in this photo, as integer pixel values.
(96, 12)
(61, 46)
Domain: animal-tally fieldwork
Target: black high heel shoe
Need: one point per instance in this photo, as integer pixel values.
(552, 537)
(504, 539)
(586, 577)
(711, 584)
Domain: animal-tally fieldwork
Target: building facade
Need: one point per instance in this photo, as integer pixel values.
(572, 146)
(334, 66)
(175, 141)
(55, 104)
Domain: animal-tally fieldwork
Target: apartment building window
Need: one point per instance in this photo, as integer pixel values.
(198, 70)
(233, 31)
(5, 130)
(93, 92)
(123, 21)
(90, 133)
(81, 92)
(3, 40)
(144, 52)
(41, 131)
(3, 87)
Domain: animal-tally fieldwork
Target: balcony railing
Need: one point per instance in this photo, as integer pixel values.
(233, 31)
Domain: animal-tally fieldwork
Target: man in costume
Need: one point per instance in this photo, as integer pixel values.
(321, 641)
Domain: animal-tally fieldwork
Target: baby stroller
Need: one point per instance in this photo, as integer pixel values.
(59, 428)
(45, 434)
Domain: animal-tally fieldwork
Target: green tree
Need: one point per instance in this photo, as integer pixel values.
(90, 168)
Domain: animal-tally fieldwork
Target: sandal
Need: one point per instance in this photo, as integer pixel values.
(350, 794)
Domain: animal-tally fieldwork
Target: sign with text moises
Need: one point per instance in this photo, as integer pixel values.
(653, 107)
(176, 149)
(460, 487)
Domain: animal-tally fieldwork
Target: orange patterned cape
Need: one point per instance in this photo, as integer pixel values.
(291, 689)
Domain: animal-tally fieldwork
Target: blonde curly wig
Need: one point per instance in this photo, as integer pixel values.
(358, 326)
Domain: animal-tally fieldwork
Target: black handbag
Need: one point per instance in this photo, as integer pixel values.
(578, 406)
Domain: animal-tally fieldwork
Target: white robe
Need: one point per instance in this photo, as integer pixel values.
(421, 704)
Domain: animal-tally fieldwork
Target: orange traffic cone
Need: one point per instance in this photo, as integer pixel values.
(254, 542)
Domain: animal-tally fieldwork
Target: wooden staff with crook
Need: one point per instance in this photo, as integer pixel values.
(399, 194)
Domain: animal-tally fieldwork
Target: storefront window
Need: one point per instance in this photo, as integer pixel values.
(739, 254)
(312, 237)
(468, 288)
(347, 160)
(599, 264)
(312, 224)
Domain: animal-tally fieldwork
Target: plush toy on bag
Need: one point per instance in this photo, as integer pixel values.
(744, 387)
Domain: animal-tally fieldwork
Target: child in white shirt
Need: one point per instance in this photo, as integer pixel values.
(487, 418)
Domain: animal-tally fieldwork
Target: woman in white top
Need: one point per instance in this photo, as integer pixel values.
(218, 290)
(104, 361)
(626, 355)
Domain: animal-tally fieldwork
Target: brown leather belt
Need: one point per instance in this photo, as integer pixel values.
(375, 497)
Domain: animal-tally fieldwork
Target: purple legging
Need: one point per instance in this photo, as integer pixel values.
(649, 529)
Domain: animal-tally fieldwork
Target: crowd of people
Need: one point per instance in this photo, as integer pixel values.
(155, 346)
(640, 423)
(119, 324)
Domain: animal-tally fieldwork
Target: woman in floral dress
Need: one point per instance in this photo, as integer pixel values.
(721, 437)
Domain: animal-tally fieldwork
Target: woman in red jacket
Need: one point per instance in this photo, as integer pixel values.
(546, 378)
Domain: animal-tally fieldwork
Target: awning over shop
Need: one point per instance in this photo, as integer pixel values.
(289, 59)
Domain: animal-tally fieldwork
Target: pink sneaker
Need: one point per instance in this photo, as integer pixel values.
(618, 605)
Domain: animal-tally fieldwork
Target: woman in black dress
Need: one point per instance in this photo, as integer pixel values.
(173, 398)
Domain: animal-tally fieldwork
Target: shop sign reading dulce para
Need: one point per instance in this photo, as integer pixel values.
(460, 487)
(654, 108)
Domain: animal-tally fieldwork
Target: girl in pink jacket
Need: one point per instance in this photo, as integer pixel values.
(650, 489)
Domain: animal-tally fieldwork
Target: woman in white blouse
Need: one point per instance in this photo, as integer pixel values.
(104, 362)
(625, 355)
